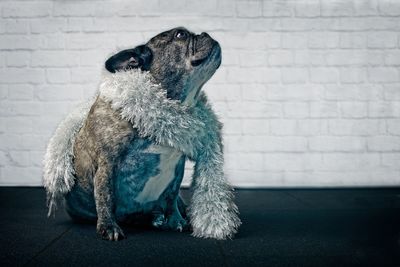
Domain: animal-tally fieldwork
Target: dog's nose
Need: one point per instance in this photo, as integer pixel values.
(204, 34)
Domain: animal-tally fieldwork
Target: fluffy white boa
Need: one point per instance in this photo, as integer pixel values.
(195, 131)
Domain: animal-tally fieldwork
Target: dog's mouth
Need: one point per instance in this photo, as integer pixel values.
(198, 62)
(214, 53)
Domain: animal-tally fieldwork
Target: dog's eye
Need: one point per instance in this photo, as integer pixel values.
(180, 34)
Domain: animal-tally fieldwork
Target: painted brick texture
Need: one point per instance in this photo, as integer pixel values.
(309, 90)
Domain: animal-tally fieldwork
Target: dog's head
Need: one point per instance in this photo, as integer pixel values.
(179, 60)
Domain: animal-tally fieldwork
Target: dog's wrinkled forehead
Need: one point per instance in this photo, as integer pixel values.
(177, 34)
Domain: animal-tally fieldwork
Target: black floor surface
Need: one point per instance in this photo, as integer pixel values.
(299, 227)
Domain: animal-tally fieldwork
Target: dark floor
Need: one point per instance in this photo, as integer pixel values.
(347, 227)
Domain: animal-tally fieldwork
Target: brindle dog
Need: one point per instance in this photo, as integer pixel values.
(181, 62)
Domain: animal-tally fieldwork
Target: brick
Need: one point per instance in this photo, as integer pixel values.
(384, 143)
(294, 75)
(349, 162)
(13, 42)
(337, 143)
(353, 109)
(346, 57)
(3, 91)
(22, 176)
(36, 158)
(247, 109)
(324, 75)
(19, 158)
(350, 24)
(283, 127)
(53, 41)
(366, 7)
(78, 24)
(225, 8)
(294, 40)
(27, 9)
(137, 7)
(249, 9)
(83, 9)
(17, 58)
(85, 75)
(308, 8)
(20, 75)
(393, 126)
(382, 40)
(382, 23)
(46, 123)
(80, 41)
(255, 75)
(253, 59)
(255, 126)
(389, 8)
(308, 57)
(392, 57)
(224, 92)
(391, 92)
(356, 127)
(324, 109)
(232, 126)
(253, 92)
(276, 8)
(269, 143)
(58, 92)
(20, 92)
(375, 57)
(338, 8)
(3, 158)
(16, 26)
(384, 109)
(292, 162)
(295, 109)
(323, 40)
(383, 74)
(47, 25)
(301, 24)
(14, 108)
(311, 127)
(16, 124)
(258, 24)
(348, 92)
(295, 92)
(352, 40)
(245, 161)
(254, 40)
(58, 75)
(353, 75)
(54, 59)
(280, 58)
(391, 160)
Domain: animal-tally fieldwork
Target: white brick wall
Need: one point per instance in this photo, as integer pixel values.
(309, 90)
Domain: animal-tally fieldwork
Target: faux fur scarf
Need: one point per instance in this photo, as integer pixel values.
(195, 131)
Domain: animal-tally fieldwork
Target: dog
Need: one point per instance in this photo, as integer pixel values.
(130, 147)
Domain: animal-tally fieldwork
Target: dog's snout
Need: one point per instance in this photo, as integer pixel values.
(205, 35)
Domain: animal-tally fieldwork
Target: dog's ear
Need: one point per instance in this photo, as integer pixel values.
(138, 57)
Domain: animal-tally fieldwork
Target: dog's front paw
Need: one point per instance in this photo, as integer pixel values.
(173, 222)
(176, 223)
(110, 231)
